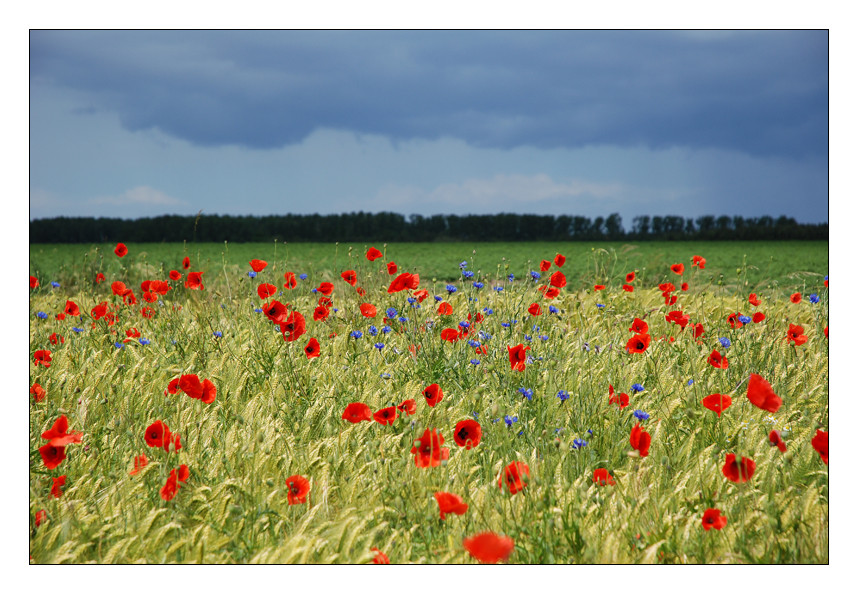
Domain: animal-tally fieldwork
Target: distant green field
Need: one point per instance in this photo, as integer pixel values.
(767, 264)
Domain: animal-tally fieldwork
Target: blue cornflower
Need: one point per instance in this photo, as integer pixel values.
(600, 305)
(41, 315)
(386, 329)
(218, 334)
(303, 276)
(336, 310)
(252, 274)
(639, 414)
(474, 414)
(437, 298)
(527, 337)
(403, 319)
(119, 345)
(535, 275)
(412, 300)
(451, 288)
(472, 299)
(579, 443)
(372, 331)
(54, 284)
(477, 285)
(745, 319)
(464, 324)
(314, 290)
(484, 336)
(258, 310)
(563, 395)
(637, 388)
(77, 329)
(379, 346)
(468, 274)
(527, 393)
(690, 383)
(498, 288)
(488, 311)
(510, 277)
(505, 324)
(463, 264)
(475, 362)
(144, 341)
(725, 341)
(473, 344)
(513, 321)
(535, 327)
(391, 312)
(813, 298)
(544, 337)
(356, 334)
(553, 310)
(510, 420)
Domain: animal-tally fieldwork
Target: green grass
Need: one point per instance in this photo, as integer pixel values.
(278, 413)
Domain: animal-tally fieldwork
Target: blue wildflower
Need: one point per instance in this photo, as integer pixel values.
(813, 298)
(144, 341)
(41, 315)
(745, 319)
(505, 324)
(384, 375)
(690, 382)
(464, 324)
(484, 336)
(463, 264)
(468, 274)
(510, 277)
(579, 443)
(725, 341)
(535, 275)
(498, 288)
(553, 310)
(54, 284)
(544, 337)
(637, 388)
(386, 329)
(391, 312)
(600, 305)
(510, 420)
(303, 276)
(314, 290)
(451, 288)
(403, 319)
(258, 310)
(639, 414)
(412, 300)
(356, 334)
(252, 274)
(218, 334)
(379, 346)
(119, 345)
(527, 337)
(77, 329)
(473, 344)
(488, 311)
(372, 331)
(563, 395)
(475, 362)
(477, 285)
(527, 393)
(437, 298)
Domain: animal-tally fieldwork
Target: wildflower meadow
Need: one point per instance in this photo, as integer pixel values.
(185, 411)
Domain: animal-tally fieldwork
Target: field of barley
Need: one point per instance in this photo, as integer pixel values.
(429, 404)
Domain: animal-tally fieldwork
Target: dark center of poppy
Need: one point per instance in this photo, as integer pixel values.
(463, 434)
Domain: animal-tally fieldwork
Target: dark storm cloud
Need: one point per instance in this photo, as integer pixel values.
(762, 93)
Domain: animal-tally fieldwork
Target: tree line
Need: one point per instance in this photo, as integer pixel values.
(394, 227)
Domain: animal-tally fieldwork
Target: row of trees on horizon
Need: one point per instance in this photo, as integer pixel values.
(393, 227)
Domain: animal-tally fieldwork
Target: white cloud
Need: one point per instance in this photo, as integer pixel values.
(140, 195)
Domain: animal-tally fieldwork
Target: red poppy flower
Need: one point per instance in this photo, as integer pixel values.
(775, 440)
(373, 254)
(619, 399)
(392, 268)
(421, 294)
(677, 268)
(428, 451)
(156, 434)
(52, 455)
(549, 293)
(120, 250)
(697, 330)
(713, 520)
(291, 282)
(146, 313)
(758, 317)
(534, 309)
(168, 492)
(175, 275)
(602, 477)
(433, 394)
(58, 434)
(558, 279)
(684, 287)
(628, 288)
(630, 277)
(409, 406)
(275, 311)
(754, 299)
(678, 318)
(325, 288)
(311, 350)
(357, 412)
(734, 320)
(545, 265)
(717, 403)
(820, 443)
(293, 327)
(489, 548)
(386, 416)
(514, 476)
(639, 440)
(738, 472)
(467, 434)
(55, 339)
(41, 517)
(174, 440)
(186, 263)
(638, 343)
(667, 287)
(450, 334)
(826, 331)
(445, 309)
(258, 265)
(518, 357)
(194, 280)
(71, 309)
(139, 463)
(450, 504)
(698, 261)
(266, 290)
(56, 489)
(796, 298)
(297, 489)
(42, 356)
(351, 277)
(34, 283)
(404, 281)
(368, 310)
(560, 259)
(717, 360)
(761, 394)
(795, 334)
(599, 287)
(379, 557)
(325, 302)
(37, 392)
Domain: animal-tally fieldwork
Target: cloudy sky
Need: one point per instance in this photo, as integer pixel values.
(142, 123)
